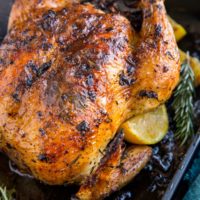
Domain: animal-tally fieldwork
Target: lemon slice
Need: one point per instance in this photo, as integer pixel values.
(149, 128)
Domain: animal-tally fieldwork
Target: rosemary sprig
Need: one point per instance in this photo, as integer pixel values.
(6, 194)
(183, 103)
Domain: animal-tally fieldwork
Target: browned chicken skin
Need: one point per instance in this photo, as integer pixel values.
(70, 75)
(116, 169)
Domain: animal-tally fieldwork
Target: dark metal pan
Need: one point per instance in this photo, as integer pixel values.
(158, 180)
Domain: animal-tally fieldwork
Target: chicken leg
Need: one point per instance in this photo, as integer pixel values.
(117, 168)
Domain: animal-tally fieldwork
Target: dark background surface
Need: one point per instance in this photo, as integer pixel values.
(187, 12)
(5, 6)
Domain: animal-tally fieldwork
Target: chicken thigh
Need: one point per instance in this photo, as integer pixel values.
(70, 75)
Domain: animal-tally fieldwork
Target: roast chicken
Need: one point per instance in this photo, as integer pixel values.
(70, 75)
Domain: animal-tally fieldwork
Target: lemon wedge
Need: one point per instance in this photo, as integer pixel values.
(148, 128)
(179, 30)
(195, 65)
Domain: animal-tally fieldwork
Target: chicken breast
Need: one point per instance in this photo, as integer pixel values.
(70, 75)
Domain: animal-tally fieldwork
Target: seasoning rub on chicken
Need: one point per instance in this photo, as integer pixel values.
(70, 75)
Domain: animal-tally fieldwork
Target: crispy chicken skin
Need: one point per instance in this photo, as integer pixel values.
(70, 75)
(116, 169)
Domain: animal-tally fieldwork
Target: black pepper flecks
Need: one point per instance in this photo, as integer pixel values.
(16, 98)
(159, 7)
(148, 94)
(32, 72)
(103, 112)
(165, 69)
(31, 65)
(43, 68)
(75, 26)
(74, 161)
(64, 11)
(1, 61)
(65, 116)
(92, 95)
(12, 114)
(158, 30)
(90, 80)
(60, 40)
(108, 120)
(170, 56)
(152, 1)
(83, 127)
(130, 70)
(42, 132)
(46, 46)
(43, 158)
(83, 70)
(29, 80)
(126, 80)
(49, 20)
(23, 135)
(39, 113)
(64, 97)
(97, 122)
(147, 13)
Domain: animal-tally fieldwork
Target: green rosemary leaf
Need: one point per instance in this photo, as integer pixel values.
(6, 194)
(183, 104)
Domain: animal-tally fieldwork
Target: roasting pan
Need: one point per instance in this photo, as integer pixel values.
(167, 181)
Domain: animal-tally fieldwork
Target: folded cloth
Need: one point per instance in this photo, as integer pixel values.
(194, 171)
(193, 178)
(194, 190)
